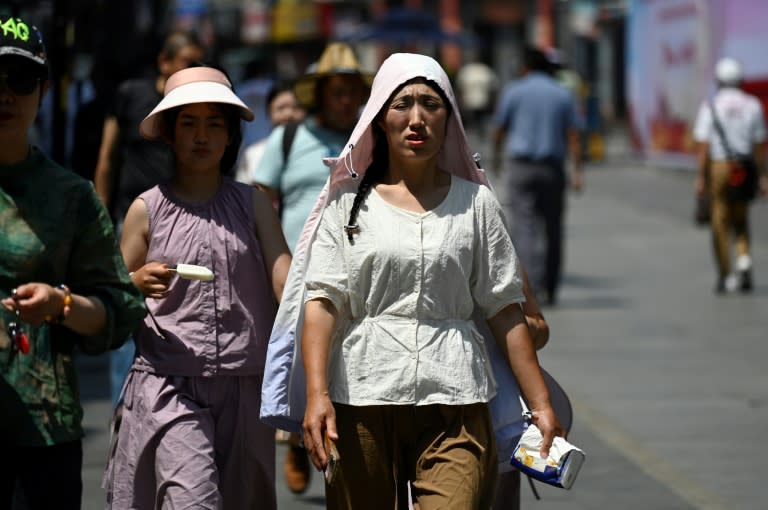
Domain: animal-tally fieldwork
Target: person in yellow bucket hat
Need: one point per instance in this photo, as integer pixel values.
(292, 171)
(338, 59)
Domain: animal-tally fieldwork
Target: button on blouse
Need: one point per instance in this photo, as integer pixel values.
(406, 288)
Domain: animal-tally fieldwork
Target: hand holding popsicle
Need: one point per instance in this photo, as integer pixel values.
(153, 279)
(192, 272)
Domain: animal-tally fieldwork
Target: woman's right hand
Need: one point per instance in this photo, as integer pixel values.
(319, 419)
(153, 279)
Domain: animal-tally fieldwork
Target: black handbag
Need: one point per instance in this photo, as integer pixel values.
(742, 168)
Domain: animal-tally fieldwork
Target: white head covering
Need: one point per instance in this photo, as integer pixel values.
(283, 391)
(455, 156)
(283, 397)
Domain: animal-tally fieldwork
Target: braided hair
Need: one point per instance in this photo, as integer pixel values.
(373, 174)
(380, 162)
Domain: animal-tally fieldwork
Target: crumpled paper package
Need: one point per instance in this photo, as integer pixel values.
(559, 469)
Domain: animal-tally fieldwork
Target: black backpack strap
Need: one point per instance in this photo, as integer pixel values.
(721, 133)
(288, 135)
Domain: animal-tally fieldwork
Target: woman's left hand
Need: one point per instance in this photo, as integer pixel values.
(319, 420)
(545, 419)
(35, 301)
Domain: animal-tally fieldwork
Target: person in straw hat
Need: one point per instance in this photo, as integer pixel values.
(190, 435)
(332, 92)
(407, 243)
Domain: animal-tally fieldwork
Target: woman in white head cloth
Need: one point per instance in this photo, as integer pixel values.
(406, 241)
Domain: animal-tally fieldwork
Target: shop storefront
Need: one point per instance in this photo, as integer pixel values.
(672, 49)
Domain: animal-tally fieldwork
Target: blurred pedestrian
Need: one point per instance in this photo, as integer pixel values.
(129, 165)
(477, 85)
(293, 173)
(64, 289)
(405, 243)
(190, 435)
(282, 107)
(742, 130)
(257, 80)
(538, 124)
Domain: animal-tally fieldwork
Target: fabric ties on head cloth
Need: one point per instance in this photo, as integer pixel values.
(348, 163)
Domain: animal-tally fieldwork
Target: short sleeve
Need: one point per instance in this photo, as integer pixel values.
(270, 167)
(327, 269)
(123, 101)
(115, 107)
(496, 276)
(255, 154)
(703, 125)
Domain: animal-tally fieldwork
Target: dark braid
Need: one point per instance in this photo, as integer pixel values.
(372, 175)
(362, 191)
(380, 160)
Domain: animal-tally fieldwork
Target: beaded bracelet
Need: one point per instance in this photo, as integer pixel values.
(64, 309)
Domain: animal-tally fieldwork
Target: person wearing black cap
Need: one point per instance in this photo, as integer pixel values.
(63, 288)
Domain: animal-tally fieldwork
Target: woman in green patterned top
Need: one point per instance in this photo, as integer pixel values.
(63, 288)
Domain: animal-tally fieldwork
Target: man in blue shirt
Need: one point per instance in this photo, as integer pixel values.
(537, 124)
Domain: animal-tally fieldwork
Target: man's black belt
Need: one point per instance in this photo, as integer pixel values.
(537, 161)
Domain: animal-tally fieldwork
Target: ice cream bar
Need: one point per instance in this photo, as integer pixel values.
(192, 272)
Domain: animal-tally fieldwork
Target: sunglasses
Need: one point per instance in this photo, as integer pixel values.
(20, 84)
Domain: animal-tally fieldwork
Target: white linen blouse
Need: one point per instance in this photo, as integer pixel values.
(405, 290)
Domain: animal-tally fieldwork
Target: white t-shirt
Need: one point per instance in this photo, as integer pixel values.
(406, 290)
(249, 161)
(476, 83)
(741, 116)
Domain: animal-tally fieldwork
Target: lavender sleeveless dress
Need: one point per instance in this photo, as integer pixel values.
(190, 434)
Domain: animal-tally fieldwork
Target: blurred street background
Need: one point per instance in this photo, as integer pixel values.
(645, 65)
(667, 380)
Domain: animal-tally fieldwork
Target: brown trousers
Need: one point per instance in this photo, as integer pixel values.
(727, 216)
(447, 453)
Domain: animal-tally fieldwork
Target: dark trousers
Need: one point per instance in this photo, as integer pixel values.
(535, 204)
(41, 478)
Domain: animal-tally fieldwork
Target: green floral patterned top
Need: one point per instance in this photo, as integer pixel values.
(53, 229)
